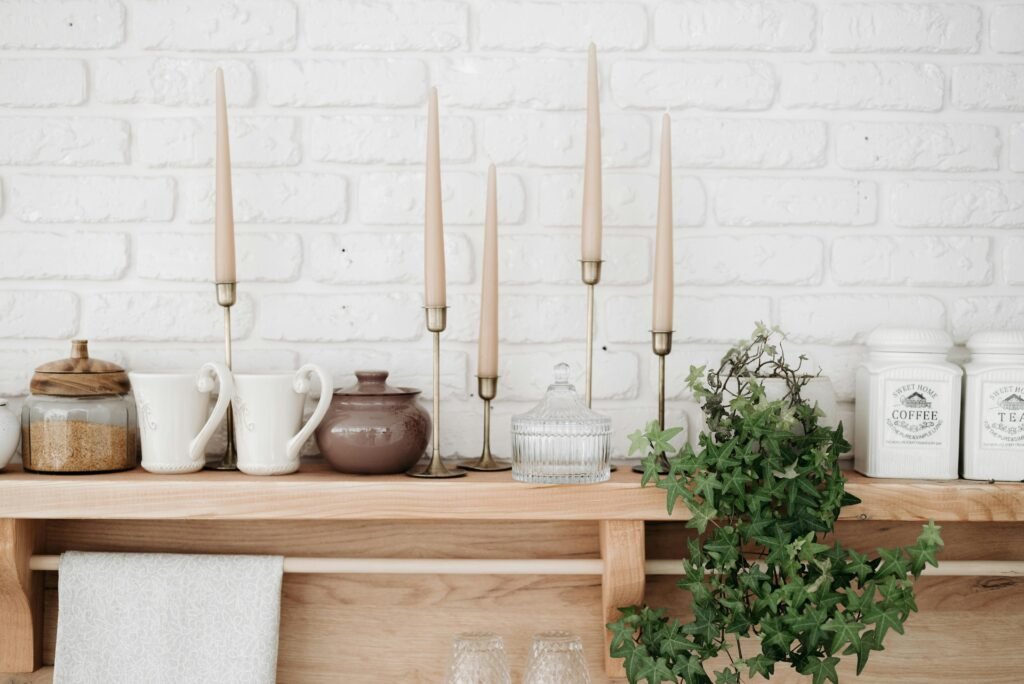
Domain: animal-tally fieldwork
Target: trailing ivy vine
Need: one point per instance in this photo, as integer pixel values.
(764, 490)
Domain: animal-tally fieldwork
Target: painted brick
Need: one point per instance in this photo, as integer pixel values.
(81, 24)
(231, 25)
(18, 365)
(901, 27)
(188, 359)
(525, 376)
(46, 314)
(678, 363)
(651, 84)
(978, 314)
(839, 364)
(1006, 28)
(735, 25)
(1013, 257)
(552, 259)
(629, 199)
(59, 256)
(353, 82)
(341, 318)
(261, 257)
(795, 201)
(554, 139)
(371, 25)
(397, 198)
(170, 81)
(368, 258)
(273, 198)
(410, 366)
(524, 319)
(42, 82)
(924, 146)
(989, 86)
(958, 204)
(847, 319)
(388, 139)
(504, 82)
(1017, 146)
(562, 26)
(63, 141)
(92, 199)
(749, 260)
(749, 143)
(256, 141)
(162, 317)
(708, 319)
(900, 86)
(938, 261)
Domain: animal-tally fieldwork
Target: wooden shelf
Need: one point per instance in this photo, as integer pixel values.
(318, 493)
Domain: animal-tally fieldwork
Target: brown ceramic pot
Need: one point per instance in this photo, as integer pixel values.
(373, 428)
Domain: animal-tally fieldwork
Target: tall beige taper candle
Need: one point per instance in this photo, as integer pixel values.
(487, 356)
(663, 265)
(224, 231)
(591, 247)
(433, 227)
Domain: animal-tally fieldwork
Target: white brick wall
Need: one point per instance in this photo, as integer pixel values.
(840, 165)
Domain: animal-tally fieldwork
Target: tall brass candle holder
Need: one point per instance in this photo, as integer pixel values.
(437, 321)
(227, 295)
(591, 272)
(661, 343)
(487, 388)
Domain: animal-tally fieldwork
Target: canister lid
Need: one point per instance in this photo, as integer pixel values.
(373, 383)
(562, 410)
(910, 340)
(79, 375)
(997, 342)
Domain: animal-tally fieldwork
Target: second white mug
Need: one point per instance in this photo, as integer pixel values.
(175, 421)
(268, 414)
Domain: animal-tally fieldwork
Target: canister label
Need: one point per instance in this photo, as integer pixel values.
(916, 413)
(1002, 415)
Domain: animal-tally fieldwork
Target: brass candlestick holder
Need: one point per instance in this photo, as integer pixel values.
(661, 343)
(591, 272)
(437, 321)
(227, 295)
(487, 388)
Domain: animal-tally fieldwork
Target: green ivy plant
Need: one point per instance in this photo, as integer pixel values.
(764, 490)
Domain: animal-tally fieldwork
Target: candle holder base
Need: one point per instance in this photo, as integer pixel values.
(487, 389)
(434, 469)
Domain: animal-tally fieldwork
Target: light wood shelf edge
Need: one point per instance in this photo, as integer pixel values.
(317, 493)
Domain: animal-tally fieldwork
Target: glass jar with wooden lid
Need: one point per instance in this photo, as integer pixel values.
(80, 417)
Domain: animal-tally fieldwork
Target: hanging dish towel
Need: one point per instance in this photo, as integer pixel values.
(126, 618)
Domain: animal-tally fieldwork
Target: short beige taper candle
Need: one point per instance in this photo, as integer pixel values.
(433, 226)
(592, 219)
(487, 356)
(224, 240)
(663, 265)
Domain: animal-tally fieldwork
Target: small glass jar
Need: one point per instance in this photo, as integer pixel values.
(908, 406)
(994, 406)
(80, 417)
(561, 441)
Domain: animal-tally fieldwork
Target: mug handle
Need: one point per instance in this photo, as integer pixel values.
(205, 383)
(302, 385)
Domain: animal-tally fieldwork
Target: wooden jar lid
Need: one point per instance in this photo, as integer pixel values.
(79, 376)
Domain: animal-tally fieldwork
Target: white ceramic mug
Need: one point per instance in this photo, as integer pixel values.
(268, 415)
(175, 422)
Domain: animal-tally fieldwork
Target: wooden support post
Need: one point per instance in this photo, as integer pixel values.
(21, 595)
(622, 583)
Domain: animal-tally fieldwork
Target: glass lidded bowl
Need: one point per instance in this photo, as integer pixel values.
(80, 417)
(561, 440)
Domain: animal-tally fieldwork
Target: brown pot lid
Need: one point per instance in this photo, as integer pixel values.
(79, 376)
(373, 383)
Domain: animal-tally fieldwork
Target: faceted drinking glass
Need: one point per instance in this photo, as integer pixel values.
(478, 658)
(556, 658)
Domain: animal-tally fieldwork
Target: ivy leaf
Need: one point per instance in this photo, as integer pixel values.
(843, 632)
(638, 442)
(654, 671)
(884, 619)
(821, 669)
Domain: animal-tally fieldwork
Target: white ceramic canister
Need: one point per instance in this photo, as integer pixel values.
(908, 406)
(10, 434)
(994, 406)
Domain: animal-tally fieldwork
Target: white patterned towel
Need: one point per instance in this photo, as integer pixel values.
(126, 618)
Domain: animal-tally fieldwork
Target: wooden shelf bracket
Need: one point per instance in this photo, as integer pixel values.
(21, 595)
(622, 582)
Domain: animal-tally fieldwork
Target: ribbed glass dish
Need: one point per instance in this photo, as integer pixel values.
(561, 441)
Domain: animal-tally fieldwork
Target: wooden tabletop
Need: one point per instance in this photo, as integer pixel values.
(317, 492)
